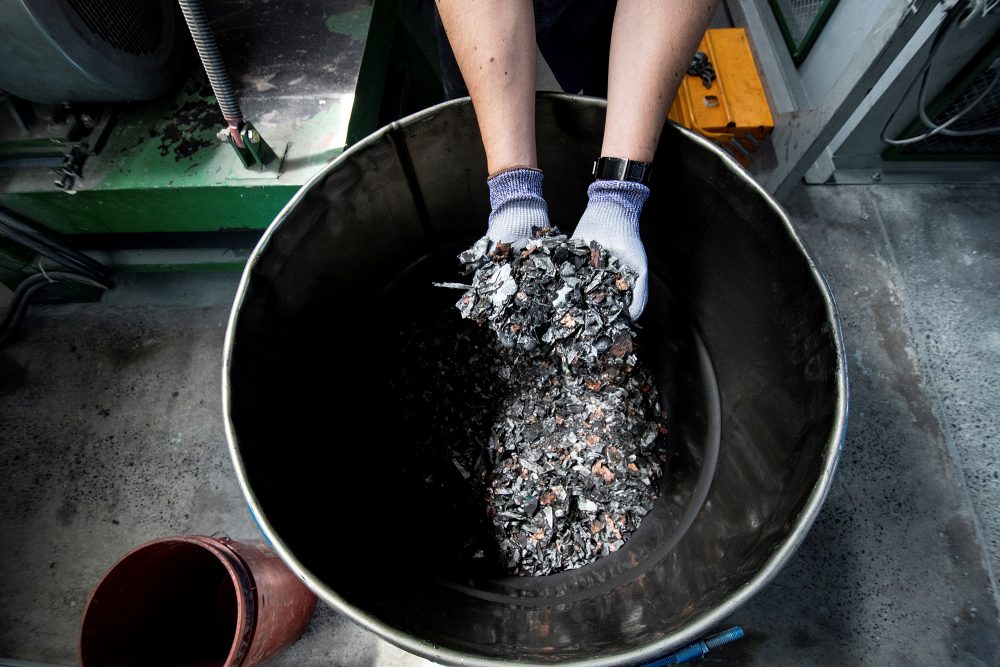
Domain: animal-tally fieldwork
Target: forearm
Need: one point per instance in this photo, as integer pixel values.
(494, 44)
(651, 47)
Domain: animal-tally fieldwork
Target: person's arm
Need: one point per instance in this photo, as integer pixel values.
(652, 42)
(494, 45)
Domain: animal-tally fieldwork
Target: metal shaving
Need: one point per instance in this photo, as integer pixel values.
(575, 452)
(702, 67)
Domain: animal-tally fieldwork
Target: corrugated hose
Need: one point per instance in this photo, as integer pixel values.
(215, 68)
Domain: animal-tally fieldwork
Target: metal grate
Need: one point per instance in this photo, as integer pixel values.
(132, 26)
(800, 15)
(984, 114)
(801, 21)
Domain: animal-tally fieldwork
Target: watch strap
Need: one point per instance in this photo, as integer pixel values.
(622, 169)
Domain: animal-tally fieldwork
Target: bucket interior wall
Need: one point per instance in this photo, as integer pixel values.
(738, 328)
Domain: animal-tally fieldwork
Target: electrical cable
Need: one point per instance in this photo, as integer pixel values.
(962, 133)
(945, 27)
(27, 290)
(20, 231)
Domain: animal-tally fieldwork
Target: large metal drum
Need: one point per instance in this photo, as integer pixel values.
(741, 329)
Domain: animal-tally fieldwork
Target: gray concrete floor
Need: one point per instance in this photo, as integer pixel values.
(110, 435)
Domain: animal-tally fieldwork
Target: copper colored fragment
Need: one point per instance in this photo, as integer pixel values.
(603, 472)
(621, 345)
(501, 251)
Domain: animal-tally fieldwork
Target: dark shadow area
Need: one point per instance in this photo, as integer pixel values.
(170, 604)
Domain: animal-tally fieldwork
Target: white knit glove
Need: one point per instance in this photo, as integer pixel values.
(612, 219)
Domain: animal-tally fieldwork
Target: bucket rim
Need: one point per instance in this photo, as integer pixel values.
(692, 631)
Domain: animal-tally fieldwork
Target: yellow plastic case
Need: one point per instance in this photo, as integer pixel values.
(734, 112)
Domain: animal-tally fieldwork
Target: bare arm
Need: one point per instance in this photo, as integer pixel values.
(651, 47)
(494, 44)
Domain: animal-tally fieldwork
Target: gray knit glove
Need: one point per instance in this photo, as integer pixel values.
(612, 219)
(518, 206)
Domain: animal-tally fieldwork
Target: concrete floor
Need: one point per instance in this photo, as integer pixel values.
(110, 423)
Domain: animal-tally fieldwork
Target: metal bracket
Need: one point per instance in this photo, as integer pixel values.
(254, 150)
(94, 134)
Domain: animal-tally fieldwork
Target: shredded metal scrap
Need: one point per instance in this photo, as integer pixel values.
(702, 67)
(576, 448)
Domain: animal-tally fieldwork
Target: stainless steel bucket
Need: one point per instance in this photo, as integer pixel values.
(741, 328)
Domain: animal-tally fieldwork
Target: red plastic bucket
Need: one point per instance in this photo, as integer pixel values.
(194, 601)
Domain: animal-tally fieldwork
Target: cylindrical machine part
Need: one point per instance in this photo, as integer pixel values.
(56, 51)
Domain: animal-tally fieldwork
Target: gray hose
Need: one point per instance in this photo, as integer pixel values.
(211, 60)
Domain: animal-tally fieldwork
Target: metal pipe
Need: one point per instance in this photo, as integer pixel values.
(215, 68)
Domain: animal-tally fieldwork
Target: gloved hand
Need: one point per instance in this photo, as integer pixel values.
(518, 206)
(612, 219)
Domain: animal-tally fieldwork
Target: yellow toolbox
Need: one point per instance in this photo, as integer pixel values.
(733, 112)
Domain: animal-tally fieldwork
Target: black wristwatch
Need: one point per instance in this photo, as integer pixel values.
(622, 169)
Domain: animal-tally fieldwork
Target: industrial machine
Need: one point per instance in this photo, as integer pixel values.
(110, 131)
(129, 168)
(90, 51)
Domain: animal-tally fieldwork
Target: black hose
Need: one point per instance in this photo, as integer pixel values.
(211, 60)
(26, 291)
(27, 235)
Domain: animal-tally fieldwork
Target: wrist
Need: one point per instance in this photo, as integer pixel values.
(516, 167)
(622, 169)
(516, 202)
(616, 204)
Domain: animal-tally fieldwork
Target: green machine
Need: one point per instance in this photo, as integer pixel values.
(150, 180)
